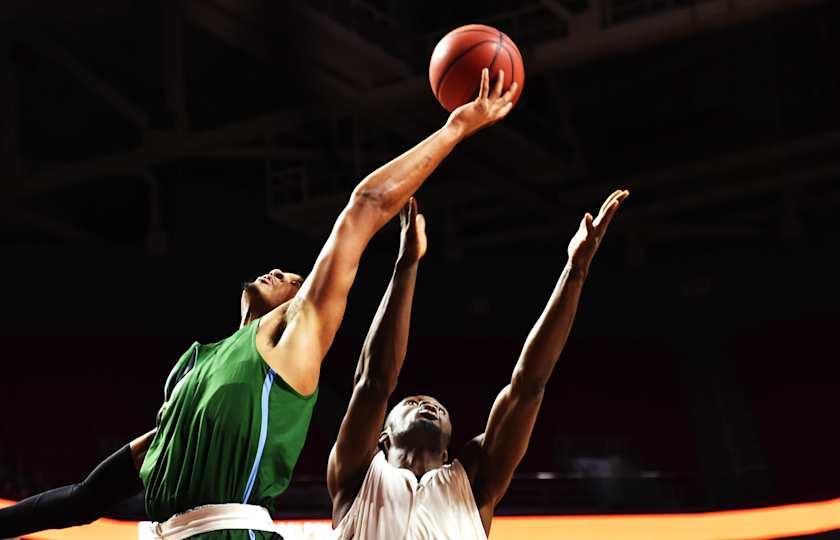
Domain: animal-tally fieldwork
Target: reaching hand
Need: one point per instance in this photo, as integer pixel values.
(413, 235)
(487, 109)
(588, 237)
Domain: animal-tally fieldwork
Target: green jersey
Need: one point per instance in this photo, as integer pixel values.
(230, 431)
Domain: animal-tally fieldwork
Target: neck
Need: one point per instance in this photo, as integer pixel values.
(251, 311)
(247, 318)
(417, 460)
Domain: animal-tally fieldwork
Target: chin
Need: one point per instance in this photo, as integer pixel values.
(427, 426)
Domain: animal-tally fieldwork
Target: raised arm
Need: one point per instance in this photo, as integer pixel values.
(379, 367)
(316, 313)
(501, 447)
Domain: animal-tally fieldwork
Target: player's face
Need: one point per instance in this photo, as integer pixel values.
(276, 287)
(422, 414)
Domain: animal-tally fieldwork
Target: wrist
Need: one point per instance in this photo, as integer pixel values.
(577, 269)
(404, 262)
(453, 132)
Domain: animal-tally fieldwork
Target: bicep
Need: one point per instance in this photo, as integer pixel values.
(505, 440)
(324, 292)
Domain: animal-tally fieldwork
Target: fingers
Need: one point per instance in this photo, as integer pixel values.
(484, 88)
(507, 97)
(412, 210)
(407, 213)
(587, 222)
(503, 111)
(608, 211)
(500, 84)
(609, 200)
(504, 101)
(404, 213)
(420, 223)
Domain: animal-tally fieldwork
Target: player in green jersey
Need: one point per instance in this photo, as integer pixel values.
(236, 412)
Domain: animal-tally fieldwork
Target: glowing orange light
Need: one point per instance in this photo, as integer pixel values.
(760, 523)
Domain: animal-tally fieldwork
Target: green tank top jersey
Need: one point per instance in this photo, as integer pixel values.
(230, 431)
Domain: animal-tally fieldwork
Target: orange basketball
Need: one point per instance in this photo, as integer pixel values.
(458, 58)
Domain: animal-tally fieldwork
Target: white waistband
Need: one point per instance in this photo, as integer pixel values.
(212, 517)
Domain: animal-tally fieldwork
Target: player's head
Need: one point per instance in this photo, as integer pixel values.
(417, 422)
(269, 291)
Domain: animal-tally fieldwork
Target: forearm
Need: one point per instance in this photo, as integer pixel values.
(113, 480)
(389, 186)
(547, 338)
(385, 347)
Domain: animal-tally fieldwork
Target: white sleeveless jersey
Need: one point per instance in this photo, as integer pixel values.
(393, 505)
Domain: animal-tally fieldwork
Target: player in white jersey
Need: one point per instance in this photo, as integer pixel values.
(392, 477)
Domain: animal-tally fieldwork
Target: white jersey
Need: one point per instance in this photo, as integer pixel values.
(393, 505)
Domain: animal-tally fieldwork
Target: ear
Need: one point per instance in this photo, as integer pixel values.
(384, 441)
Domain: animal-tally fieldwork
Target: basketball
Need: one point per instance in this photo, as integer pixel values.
(458, 58)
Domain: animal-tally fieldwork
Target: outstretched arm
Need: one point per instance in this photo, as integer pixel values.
(378, 369)
(505, 440)
(113, 480)
(313, 319)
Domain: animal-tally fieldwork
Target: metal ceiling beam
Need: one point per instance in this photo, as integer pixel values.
(382, 59)
(157, 149)
(235, 32)
(558, 9)
(173, 63)
(131, 111)
(735, 191)
(286, 153)
(589, 40)
(713, 168)
(57, 228)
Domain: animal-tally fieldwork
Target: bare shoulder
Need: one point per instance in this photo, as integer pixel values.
(470, 457)
(285, 344)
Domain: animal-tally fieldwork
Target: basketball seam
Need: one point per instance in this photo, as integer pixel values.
(455, 61)
(512, 65)
(508, 40)
(496, 54)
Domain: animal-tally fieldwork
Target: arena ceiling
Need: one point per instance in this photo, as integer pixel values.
(123, 121)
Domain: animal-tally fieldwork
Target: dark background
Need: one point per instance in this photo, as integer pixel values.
(157, 154)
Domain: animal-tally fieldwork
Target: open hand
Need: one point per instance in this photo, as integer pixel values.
(588, 237)
(488, 108)
(413, 232)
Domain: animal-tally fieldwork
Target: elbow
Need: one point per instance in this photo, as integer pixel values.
(83, 506)
(366, 209)
(375, 387)
(367, 199)
(527, 387)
